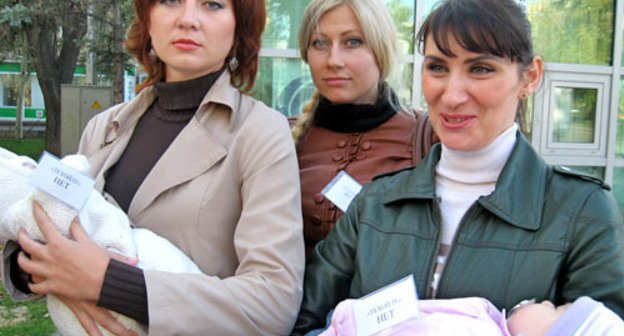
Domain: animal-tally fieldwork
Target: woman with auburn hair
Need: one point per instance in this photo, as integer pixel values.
(195, 160)
(354, 123)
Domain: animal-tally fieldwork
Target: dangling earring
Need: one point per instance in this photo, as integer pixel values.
(233, 63)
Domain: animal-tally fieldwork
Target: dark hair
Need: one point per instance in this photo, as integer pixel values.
(242, 61)
(497, 27)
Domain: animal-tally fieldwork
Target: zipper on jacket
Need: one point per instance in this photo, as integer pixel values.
(455, 237)
(433, 264)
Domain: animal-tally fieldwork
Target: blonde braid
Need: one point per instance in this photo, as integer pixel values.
(304, 122)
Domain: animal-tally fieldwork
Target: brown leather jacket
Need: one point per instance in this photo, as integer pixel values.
(399, 142)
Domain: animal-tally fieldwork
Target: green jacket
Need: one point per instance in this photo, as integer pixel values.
(545, 233)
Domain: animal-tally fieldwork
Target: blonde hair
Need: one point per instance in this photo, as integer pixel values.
(379, 33)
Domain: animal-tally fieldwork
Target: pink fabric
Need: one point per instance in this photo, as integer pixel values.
(466, 317)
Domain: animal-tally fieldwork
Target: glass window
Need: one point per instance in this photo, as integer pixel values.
(430, 6)
(284, 18)
(10, 92)
(282, 24)
(401, 81)
(284, 84)
(618, 186)
(574, 117)
(619, 142)
(402, 12)
(573, 31)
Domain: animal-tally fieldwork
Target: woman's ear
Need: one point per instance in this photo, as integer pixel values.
(533, 76)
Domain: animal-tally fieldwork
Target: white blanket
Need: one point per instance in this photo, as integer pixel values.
(106, 224)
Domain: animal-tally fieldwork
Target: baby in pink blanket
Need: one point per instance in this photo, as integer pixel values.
(479, 317)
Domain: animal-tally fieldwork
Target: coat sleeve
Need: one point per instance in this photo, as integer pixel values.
(595, 263)
(329, 271)
(263, 295)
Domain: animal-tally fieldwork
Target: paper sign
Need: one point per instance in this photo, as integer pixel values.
(65, 183)
(386, 307)
(342, 190)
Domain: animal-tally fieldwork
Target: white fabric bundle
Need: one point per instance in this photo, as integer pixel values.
(106, 224)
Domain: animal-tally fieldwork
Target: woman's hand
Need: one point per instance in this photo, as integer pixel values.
(73, 269)
(90, 315)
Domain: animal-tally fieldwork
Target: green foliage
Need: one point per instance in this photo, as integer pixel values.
(32, 147)
(102, 42)
(403, 17)
(16, 16)
(283, 20)
(27, 12)
(573, 31)
(12, 22)
(27, 318)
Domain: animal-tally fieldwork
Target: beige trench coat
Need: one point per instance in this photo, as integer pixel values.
(227, 193)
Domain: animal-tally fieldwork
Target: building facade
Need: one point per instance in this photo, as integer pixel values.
(575, 119)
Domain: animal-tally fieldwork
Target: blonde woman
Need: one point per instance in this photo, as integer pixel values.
(354, 121)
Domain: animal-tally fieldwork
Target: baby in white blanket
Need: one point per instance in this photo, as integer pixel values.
(106, 224)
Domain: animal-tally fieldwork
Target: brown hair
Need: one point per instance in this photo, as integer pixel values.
(242, 61)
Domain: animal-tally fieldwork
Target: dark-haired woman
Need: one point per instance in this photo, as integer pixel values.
(202, 164)
(483, 215)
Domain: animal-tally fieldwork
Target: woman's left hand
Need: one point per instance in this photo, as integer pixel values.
(70, 268)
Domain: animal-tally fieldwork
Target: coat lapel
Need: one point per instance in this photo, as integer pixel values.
(192, 153)
(117, 135)
(520, 194)
(200, 145)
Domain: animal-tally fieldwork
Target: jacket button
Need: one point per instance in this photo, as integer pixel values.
(319, 198)
(366, 145)
(341, 144)
(336, 157)
(316, 220)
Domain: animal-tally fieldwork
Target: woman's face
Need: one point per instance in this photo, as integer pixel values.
(472, 97)
(343, 66)
(192, 37)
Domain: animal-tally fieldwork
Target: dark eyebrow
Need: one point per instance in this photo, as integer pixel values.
(483, 58)
(434, 58)
(470, 60)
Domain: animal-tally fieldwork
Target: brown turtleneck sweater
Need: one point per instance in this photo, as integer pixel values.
(124, 289)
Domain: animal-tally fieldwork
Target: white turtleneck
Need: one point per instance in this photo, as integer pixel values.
(461, 178)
